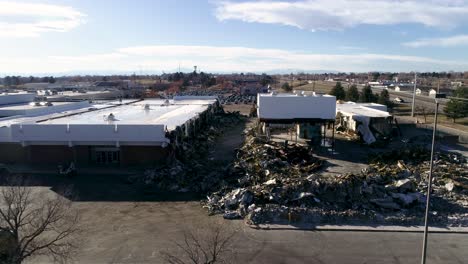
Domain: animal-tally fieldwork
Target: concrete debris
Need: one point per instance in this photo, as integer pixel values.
(449, 186)
(270, 182)
(408, 198)
(190, 167)
(386, 203)
(232, 215)
(405, 185)
(392, 187)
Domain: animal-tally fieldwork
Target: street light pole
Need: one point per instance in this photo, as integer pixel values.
(429, 185)
(414, 95)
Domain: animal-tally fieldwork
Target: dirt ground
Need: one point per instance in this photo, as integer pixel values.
(244, 109)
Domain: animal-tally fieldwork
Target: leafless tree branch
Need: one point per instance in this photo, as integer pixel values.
(40, 225)
(208, 245)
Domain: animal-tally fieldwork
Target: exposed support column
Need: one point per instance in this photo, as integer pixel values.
(333, 139)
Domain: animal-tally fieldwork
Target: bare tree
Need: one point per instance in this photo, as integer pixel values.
(38, 223)
(208, 245)
(423, 111)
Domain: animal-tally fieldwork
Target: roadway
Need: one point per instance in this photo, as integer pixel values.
(289, 246)
(136, 232)
(420, 100)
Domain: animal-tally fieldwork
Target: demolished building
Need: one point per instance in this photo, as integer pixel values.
(369, 120)
(129, 132)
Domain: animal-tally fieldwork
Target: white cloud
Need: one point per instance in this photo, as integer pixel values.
(351, 48)
(340, 14)
(220, 59)
(31, 19)
(459, 40)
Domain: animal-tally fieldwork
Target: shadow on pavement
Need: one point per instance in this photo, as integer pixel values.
(102, 187)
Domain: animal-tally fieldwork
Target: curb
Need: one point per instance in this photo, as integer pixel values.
(343, 228)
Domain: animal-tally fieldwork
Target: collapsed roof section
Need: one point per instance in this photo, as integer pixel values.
(366, 119)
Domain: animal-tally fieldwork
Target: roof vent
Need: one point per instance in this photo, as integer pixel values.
(147, 107)
(110, 117)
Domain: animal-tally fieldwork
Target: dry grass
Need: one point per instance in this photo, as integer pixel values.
(405, 110)
(320, 87)
(147, 81)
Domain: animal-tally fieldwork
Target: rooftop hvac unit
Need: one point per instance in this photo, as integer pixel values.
(147, 107)
(110, 117)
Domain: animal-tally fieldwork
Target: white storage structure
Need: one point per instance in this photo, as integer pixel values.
(309, 113)
(295, 107)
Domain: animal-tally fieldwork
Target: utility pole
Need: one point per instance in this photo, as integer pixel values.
(429, 184)
(414, 95)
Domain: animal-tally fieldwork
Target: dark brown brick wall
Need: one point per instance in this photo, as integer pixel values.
(50, 155)
(143, 155)
(81, 155)
(13, 153)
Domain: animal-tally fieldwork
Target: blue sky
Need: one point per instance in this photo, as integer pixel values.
(107, 36)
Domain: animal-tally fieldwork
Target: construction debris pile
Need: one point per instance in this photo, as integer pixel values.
(273, 182)
(190, 168)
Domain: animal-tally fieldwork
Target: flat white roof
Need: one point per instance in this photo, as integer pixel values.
(19, 119)
(135, 123)
(293, 107)
(172, 115)
(356, 109)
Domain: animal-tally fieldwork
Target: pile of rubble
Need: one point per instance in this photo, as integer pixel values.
(190, 168)
(269, 179)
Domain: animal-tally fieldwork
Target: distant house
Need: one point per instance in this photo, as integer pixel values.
(418, 91)
(404, 87)
(456, 84)
(445, 91)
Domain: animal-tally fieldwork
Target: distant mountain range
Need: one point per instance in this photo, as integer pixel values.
(158, 72)
(287, 71)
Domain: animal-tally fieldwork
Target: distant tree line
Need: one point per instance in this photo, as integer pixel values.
(457, 106)
(365, 96)
(266, 79)
(18, 80)
(206, 80)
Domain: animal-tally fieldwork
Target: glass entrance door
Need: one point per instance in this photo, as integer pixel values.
(107, 155)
